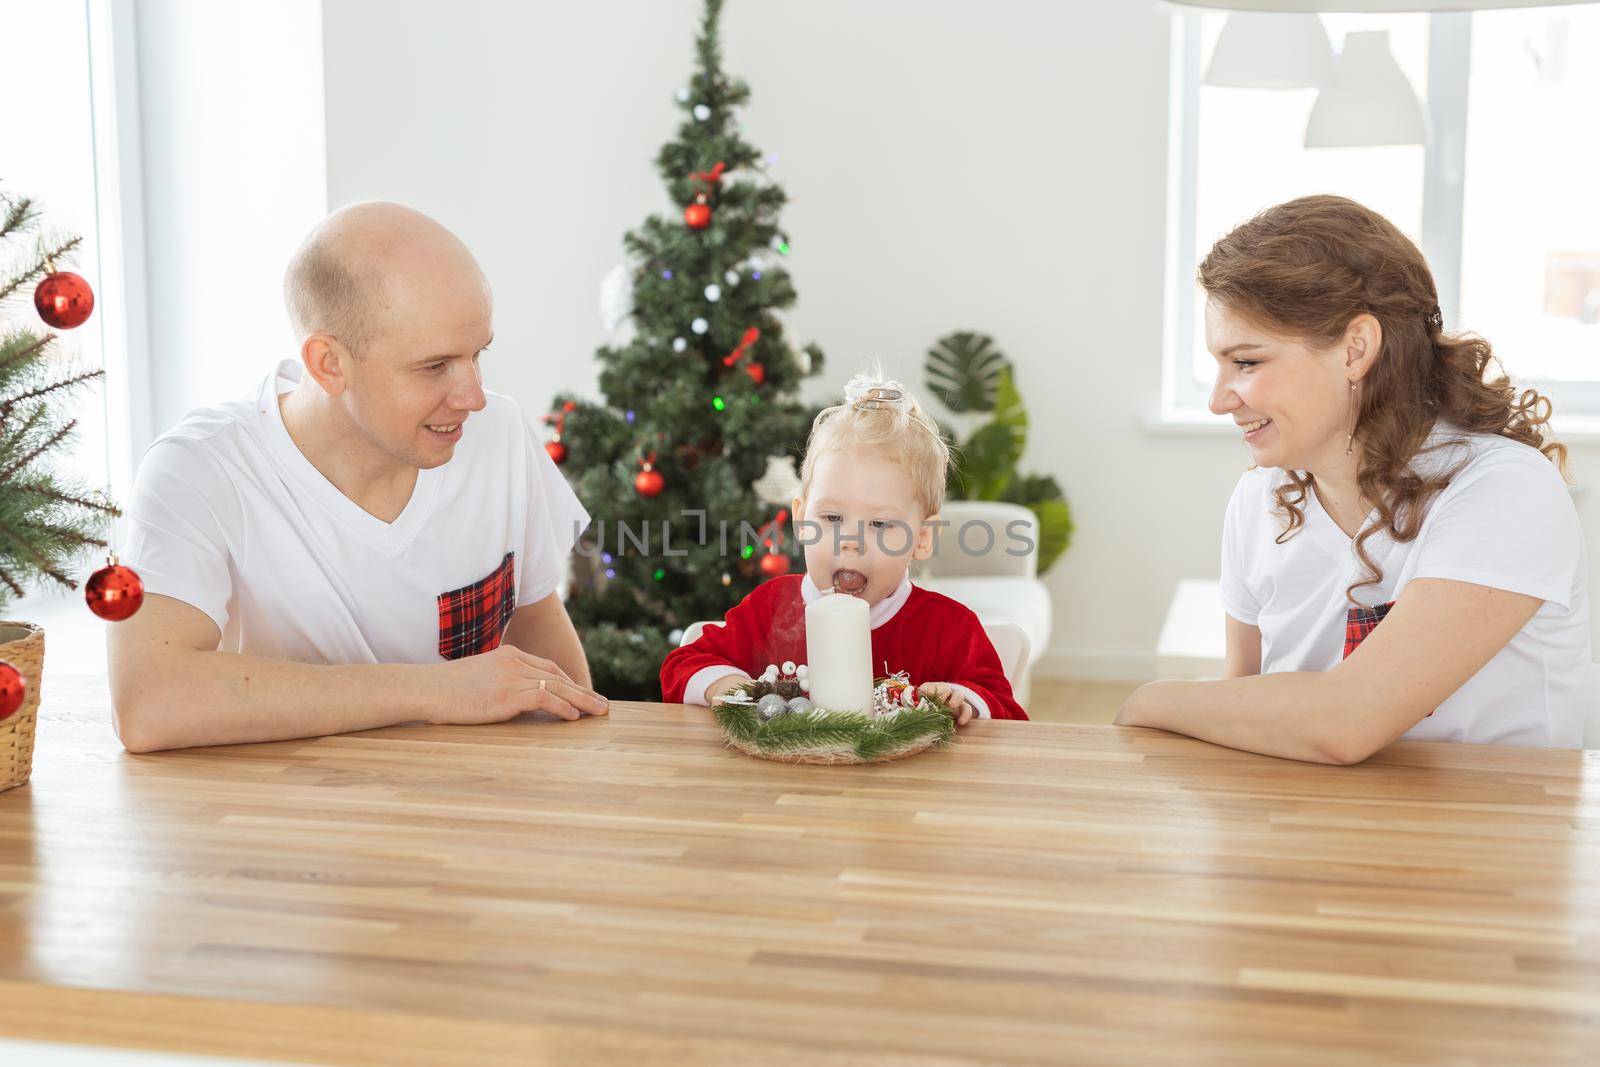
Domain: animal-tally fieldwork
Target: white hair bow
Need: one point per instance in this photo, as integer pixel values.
(872, 393)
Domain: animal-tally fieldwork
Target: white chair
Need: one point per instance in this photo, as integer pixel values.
(1010, 643)
(691, 633)
(999, 584)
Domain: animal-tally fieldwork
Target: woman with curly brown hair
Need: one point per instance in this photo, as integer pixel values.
(1399, 479)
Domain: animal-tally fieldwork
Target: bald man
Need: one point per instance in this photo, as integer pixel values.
(368, 538)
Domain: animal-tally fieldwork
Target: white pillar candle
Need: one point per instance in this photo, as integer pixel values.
(839, 653)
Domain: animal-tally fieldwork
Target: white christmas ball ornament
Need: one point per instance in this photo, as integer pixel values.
(699, 326)
(702, 112)
(679, 344)
(683, 95)
(732, 277)
(616, 295)
(713, 292)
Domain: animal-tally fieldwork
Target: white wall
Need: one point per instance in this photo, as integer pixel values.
(230, 107)
(995, 166)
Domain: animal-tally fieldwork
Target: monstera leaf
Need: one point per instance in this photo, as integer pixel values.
(989, 458)
(964, 370)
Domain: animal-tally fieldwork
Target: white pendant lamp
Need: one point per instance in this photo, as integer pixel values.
(1264, 50)
(1370, 102)
(1370, 7)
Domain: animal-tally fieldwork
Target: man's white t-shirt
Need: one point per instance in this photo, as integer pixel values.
(229, 516)
(1505, 521)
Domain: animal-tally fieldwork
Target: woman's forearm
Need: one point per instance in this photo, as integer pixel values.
(1309, 716)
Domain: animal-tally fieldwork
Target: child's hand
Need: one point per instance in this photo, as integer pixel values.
(726, 684)
(960, 708)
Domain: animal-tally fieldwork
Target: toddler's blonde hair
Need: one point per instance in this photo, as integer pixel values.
(880, 413)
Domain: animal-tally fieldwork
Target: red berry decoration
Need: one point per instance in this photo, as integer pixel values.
(697, 216)
(114, 592)
(557, 451)
(13, 690)
(757, 372)
(63, 300)
(774, 564)
(649, 481)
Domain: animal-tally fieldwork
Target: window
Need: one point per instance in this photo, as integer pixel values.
(51, 154)
(1502, 201)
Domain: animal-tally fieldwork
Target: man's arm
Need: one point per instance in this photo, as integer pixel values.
(543, 628)
(172, 688)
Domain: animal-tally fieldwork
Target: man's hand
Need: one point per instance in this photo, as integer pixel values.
(502, 684)
(961, 709)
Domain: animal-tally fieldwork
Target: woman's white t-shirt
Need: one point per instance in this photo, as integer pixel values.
(1505, 521)
(228, 515)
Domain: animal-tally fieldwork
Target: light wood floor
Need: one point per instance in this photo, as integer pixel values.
(1069, 700)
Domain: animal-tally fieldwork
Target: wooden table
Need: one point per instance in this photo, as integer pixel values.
(625, 890)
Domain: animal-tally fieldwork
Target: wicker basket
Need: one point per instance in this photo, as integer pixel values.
(22, 646)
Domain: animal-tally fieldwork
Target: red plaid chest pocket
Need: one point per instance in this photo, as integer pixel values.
(473, 619)
(1359, 622)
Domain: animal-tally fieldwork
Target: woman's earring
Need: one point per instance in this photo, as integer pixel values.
(1350, 438)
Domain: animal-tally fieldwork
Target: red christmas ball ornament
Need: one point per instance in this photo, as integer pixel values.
(773, 564)
(13, 690)
(63, 300)
(649, 481)
(114, 592)
(757, 372)
(697, 216)
(556, 450)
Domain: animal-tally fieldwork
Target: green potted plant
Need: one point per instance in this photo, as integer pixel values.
(971, 377)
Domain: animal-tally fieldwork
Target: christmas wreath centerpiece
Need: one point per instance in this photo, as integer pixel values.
(772, 717)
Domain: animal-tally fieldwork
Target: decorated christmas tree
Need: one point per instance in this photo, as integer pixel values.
(688, 464)
(47, 521)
